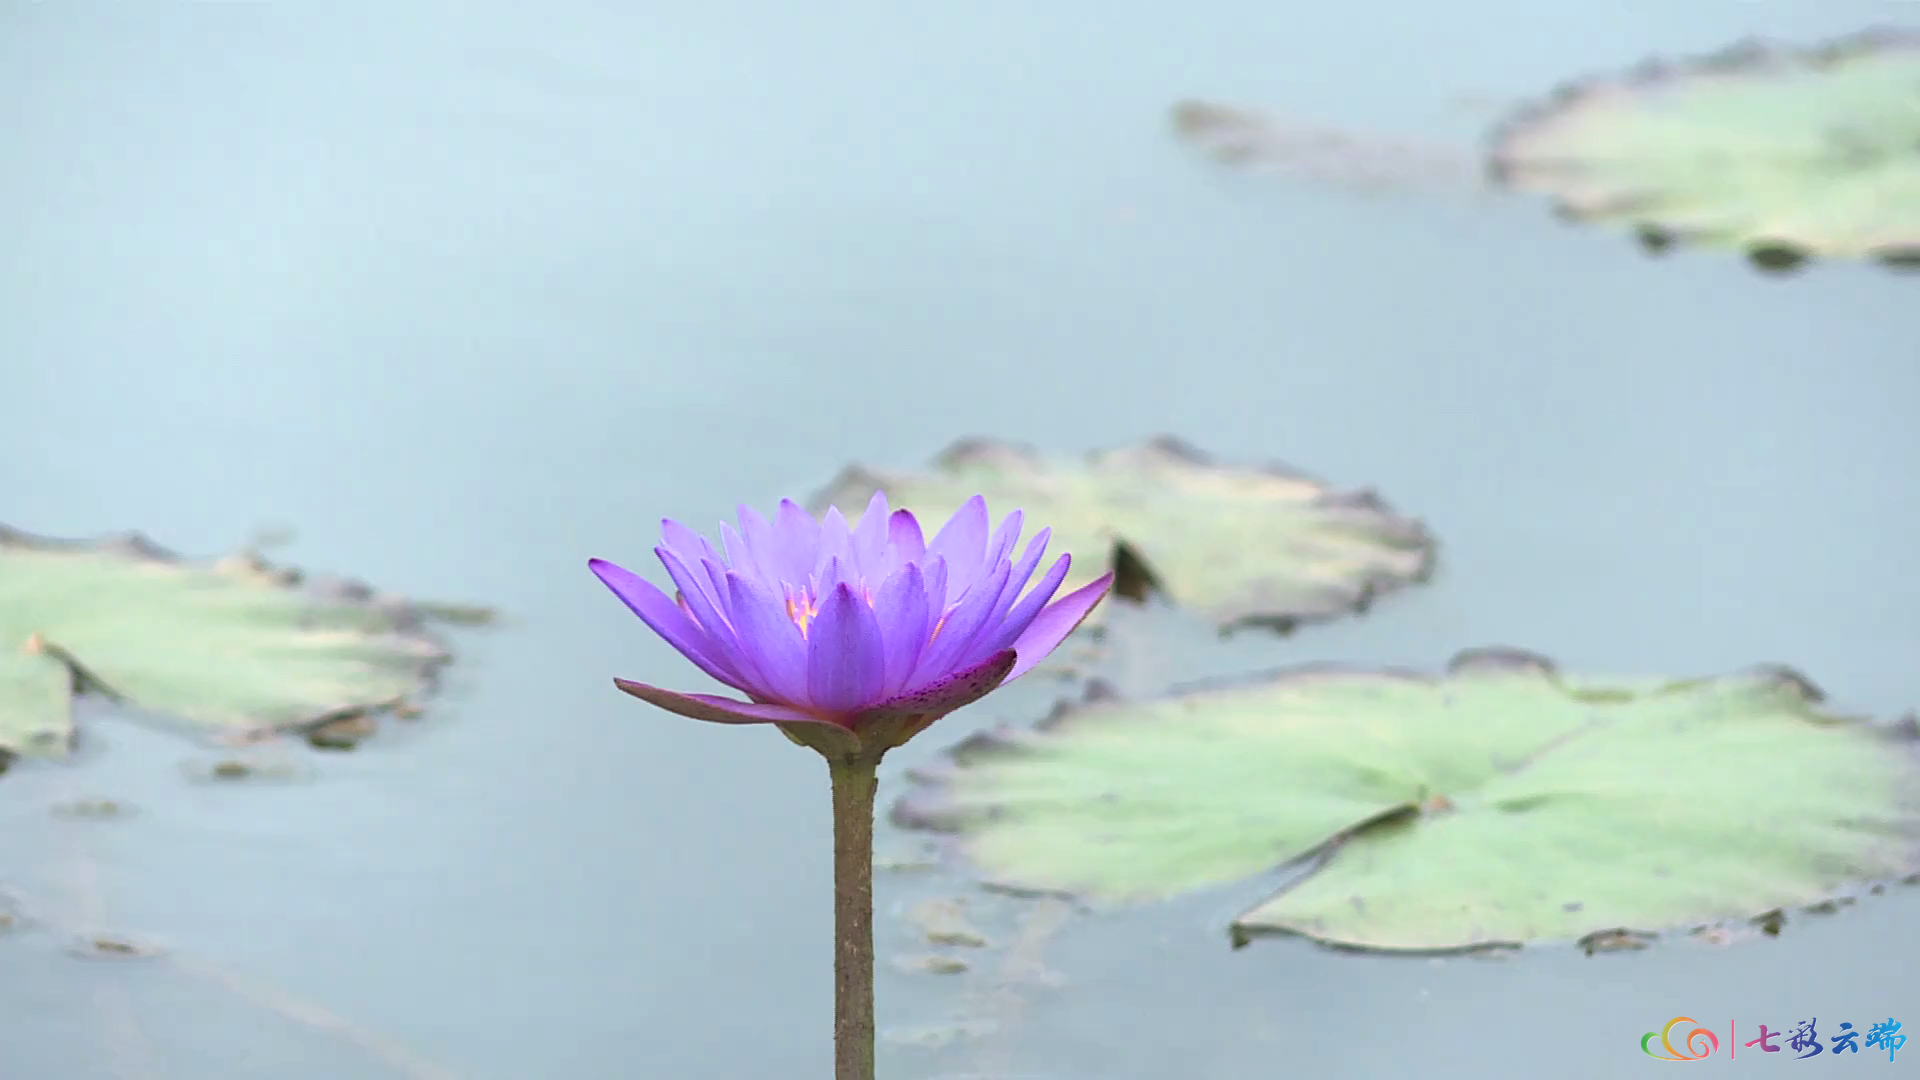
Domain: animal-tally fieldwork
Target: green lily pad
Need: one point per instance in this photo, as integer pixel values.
(1783, 154)
(1499, 804)
(237, 647)
(1242, 545)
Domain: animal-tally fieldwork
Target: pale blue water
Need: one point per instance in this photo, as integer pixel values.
(468, 294)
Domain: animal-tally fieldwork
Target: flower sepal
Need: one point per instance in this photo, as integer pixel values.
(842, 745)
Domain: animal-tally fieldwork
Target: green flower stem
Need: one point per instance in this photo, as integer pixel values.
(855, 779)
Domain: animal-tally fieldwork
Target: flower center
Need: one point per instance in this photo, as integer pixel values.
(803, 603)
(802, 606)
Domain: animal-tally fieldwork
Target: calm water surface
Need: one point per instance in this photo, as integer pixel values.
(470, 293)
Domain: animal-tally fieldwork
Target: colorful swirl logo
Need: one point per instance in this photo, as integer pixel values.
(1693, 1051)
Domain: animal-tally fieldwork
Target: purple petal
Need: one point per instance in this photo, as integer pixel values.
(714, 573)
(684, 541)
(697, 605)
(1053, 625)
(904, 542)
(739, 556)
(838, 571)
(845, 656)
(1029, 561)
(943, 696)
(935, 569)
(769, 642)
(836, 543)
(901, 607)
(697, 587)
(870, 539)
(986, 641)
(950, 641)
(708, 553)
(1003, 540)
(665, 618)
(760, 545)
(962, 541)
(1023, 613)
(718, 710)
(797, 540)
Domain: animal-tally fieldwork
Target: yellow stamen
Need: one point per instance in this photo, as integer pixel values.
(802, 605)
(801, 608)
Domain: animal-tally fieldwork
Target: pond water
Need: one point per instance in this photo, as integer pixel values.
(467, 294)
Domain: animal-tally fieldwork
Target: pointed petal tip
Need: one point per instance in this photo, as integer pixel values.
(1055, 622)
(613, 575)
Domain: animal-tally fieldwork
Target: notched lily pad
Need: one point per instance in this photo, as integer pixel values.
(1784, 154)
(1242, 545)
(1498, 804)
(237, 647)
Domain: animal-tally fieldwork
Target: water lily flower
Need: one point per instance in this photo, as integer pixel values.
(869, 631)
(852, 640)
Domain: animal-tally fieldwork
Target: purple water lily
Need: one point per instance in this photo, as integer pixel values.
(862, 629)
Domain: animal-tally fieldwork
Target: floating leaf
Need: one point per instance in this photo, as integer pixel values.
(92, 809)
(1499, 804)
(944, 922)
(236, 647)
(1328, 155)
(1242, 545)
(110, 947)
(930, 964)
(1782, 154)
(250, 769)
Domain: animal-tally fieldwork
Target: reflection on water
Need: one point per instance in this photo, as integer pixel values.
(471, 296)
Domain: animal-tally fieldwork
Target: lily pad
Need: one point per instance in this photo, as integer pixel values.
(1357, 161)
(1242, 545)
(1498, 804)
(235, 647)
(1780, 153)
